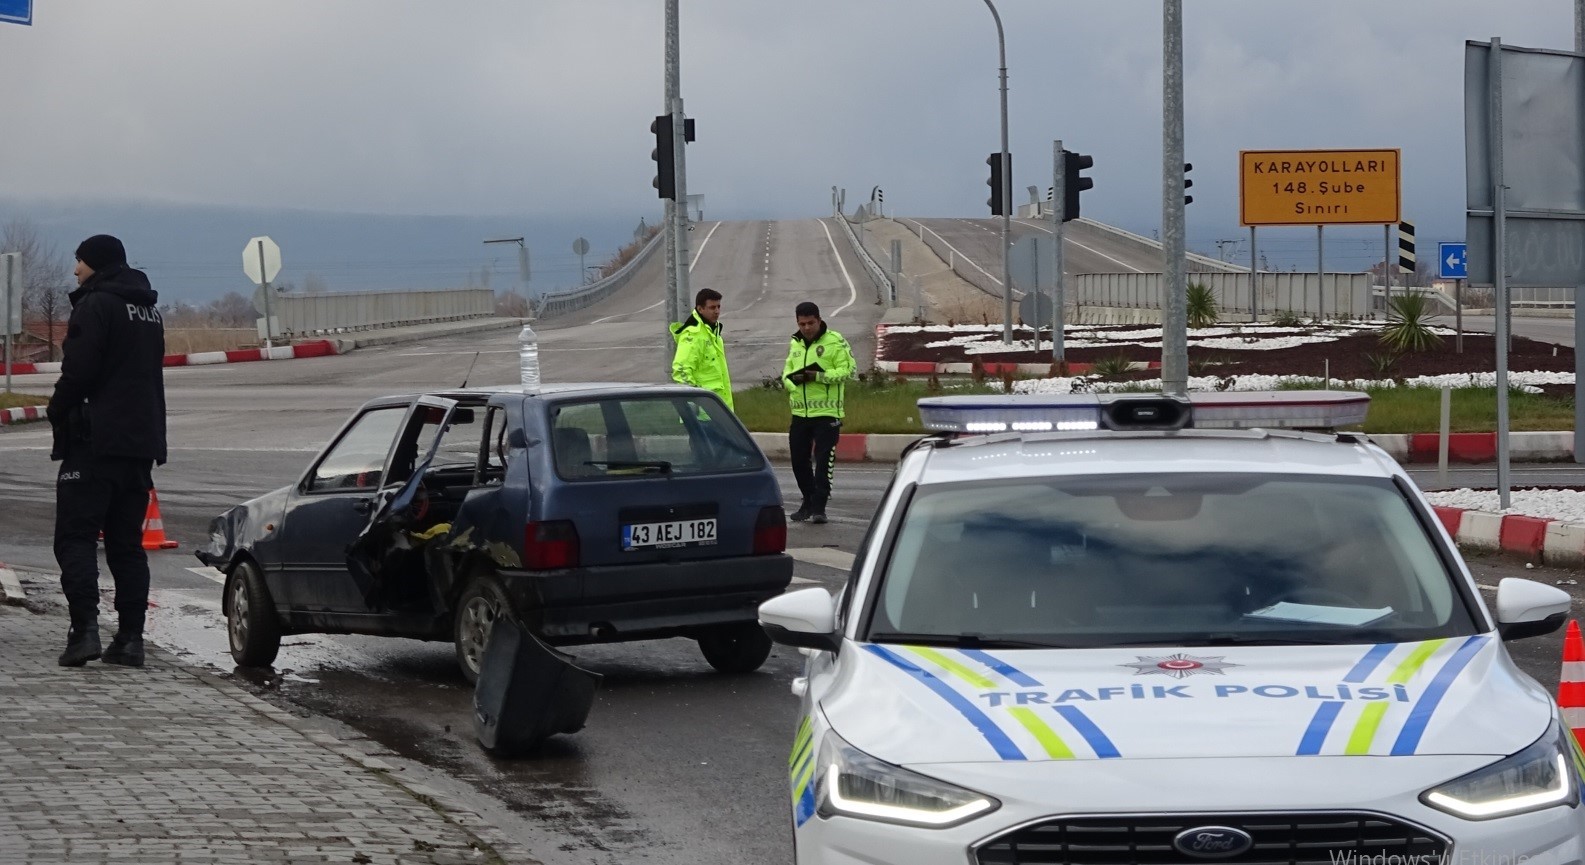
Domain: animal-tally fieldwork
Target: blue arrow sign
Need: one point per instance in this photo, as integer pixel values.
(1453, 260)
(16, 11)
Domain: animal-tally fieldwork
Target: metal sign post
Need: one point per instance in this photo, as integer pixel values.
(1059, 203)
(1254, 280)
(1500, 271)
(10, 325)
(261, 261)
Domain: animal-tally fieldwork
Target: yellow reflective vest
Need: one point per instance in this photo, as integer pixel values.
(822, 397)
(700, 360)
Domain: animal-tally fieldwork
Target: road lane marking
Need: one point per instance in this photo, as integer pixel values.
(208, 574)
(691, 265)
(825, 557)
(853, 293)
(955, 250)
(1091, 249)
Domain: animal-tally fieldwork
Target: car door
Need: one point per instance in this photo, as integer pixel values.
(332, 504)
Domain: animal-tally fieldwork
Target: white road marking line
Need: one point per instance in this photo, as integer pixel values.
(1066, 239)
(955, 250)
(691, 265)
(208, 574)
(822, 556)
(804, 581)
(853, 293)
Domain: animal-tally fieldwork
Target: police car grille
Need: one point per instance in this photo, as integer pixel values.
(1279, 839)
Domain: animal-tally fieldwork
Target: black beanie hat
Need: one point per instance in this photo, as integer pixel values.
(807, 308)
(101, 251)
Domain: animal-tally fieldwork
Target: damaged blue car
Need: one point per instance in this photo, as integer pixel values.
(591, 513)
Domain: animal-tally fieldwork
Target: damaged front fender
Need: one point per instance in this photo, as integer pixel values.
(243, 529)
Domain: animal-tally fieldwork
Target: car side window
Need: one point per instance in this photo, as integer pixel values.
(358, 457)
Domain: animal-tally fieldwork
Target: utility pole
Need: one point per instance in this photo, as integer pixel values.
(1579, 26)
(673, 75)
(1006, 190)
(1174, 312)
(1059, 200)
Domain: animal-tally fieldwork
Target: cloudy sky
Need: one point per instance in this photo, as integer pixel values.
(542, 107)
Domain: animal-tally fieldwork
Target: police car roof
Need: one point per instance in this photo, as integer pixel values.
(1015, 455)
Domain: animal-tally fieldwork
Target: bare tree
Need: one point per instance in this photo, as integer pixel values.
(511, 305)
(44, 278)
(232, 310)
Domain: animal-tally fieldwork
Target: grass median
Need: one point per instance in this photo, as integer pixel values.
(21, 400)
(891, 408)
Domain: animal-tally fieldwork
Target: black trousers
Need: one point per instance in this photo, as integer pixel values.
(813, 442)
(109, 495)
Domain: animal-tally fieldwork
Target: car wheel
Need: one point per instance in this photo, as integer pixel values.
(480, 605)
(739, 648)
(251, 625)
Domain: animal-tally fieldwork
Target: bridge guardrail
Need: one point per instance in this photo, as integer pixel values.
(1346, 295)
(885, 290)
(588, 295)
(305, 314)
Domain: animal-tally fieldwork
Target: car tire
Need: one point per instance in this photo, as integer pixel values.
(480, 604)
(739, 648)
(251, 624)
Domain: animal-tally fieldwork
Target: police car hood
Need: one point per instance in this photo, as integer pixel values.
(914, 705)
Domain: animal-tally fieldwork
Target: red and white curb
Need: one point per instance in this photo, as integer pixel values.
(1553, 542)
(315, 348)
(20, 415)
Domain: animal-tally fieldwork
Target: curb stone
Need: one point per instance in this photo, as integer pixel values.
(311, 348)
(11, 587)
(1551, 542)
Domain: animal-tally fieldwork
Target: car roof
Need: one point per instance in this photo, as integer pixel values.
(1111, 453)
(482, 393)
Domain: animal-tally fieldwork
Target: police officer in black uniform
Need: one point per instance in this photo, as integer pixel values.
(108, 419)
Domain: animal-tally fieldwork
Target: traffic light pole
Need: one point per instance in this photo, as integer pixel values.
(1174, 312)
(1059, 214)
(679, 151)
(1006, 190)
(673, 88)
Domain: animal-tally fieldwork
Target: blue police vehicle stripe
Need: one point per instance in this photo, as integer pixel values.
(1320, 725)
(1326, 713)
(1011, 673)
(1092, 734)
(993, 734)
(1425, 707)
(805, 807)
(1370, 662)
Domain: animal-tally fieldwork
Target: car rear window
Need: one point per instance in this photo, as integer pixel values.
(1177, 559)
(643, 436)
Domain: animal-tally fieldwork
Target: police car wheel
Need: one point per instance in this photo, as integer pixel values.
(251, 626)
(478, 608)
(739, 648)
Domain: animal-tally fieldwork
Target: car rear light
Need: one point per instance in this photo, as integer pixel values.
(770, 531)
(550, 545)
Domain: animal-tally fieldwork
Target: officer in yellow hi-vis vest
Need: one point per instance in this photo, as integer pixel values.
(819, 365)
(700, 360)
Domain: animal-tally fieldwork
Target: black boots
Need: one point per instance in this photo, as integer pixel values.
(82, 644)
(801, 514)
(125, 649)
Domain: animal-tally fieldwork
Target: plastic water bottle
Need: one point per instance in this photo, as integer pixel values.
(528, 357)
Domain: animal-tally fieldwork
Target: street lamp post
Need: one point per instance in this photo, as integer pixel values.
(1174, 312)
(1007, 187)
(522, 266)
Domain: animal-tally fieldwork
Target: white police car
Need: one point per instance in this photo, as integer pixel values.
(1146, 630)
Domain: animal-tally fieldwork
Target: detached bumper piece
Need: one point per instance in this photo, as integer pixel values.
(527, 691)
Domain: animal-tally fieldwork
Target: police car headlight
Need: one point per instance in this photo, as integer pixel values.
(1541, 776)
(854, 784)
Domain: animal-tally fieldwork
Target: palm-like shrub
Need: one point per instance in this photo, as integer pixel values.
(1201, 302)
(1408, 324)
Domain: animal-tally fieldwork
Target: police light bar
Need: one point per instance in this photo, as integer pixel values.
(1293, 409)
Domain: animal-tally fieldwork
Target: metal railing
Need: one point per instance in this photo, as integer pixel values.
(965, 267)
(588, 295)
(305, 314)
(1345, 295)
(885, 290)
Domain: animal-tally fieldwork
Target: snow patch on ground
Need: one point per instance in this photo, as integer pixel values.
(977, 339)
(1526, 381)
(1565, 505)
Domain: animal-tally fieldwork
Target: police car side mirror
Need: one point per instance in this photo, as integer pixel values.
(805, 619)
(1526, 608)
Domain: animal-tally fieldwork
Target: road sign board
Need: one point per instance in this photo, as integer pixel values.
(16, 11)
(1318, 187)
(11, 291)
(1453, 260)
(1035, 310)
(1030, 263)
(267, 269)
(580, 247)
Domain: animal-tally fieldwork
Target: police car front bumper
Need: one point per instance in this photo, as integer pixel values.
(1217, 792)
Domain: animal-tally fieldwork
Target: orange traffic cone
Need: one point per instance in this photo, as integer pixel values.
(1571, 685)
(154, 527)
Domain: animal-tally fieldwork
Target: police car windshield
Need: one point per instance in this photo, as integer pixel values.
(1175, 559)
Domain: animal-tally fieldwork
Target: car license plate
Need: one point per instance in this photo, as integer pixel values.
(680, 533)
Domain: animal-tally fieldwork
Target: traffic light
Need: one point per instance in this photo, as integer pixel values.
(997, 183)
(1187, 198)
(1074, 183)
(665, 182)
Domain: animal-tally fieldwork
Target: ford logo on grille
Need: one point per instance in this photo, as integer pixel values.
(1213, 842)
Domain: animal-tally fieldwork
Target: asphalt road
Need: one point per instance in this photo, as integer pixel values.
(678, 764)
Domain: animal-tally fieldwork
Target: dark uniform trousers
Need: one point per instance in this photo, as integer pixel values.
(813, 441)
(110, 495)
